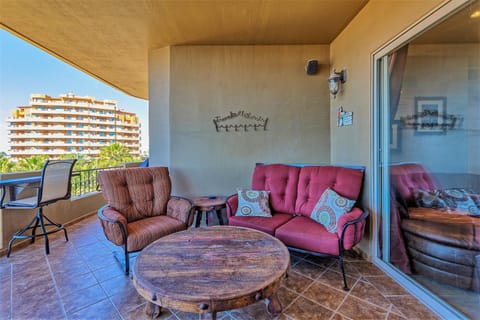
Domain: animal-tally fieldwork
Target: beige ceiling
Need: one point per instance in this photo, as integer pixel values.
(110, 39)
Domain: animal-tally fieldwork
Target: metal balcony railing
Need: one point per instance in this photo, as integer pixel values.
(85, 181)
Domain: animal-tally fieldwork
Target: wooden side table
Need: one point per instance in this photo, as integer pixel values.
(209, 205)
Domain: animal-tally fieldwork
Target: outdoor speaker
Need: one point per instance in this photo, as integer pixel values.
(311, 66)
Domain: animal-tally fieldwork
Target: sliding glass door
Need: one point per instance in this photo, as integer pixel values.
(429, 160)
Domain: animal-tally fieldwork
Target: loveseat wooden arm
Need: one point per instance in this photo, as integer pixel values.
(351, 228)
(114, 225)
(181, 209)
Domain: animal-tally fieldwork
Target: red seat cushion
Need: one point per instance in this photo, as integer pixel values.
(302, 232)
(267, 225)
(142, 232)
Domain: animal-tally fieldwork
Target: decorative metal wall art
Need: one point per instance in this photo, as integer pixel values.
(240, 121)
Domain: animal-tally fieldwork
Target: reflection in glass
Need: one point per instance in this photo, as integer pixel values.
(434, 168)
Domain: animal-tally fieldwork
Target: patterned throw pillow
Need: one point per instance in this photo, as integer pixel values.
(253, 203)
(330, 208)
(461, 200)
(456, 200)
(429, 199)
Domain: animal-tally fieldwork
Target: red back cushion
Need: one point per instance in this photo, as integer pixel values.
(407, 177)
(313, 180)
(281, 180)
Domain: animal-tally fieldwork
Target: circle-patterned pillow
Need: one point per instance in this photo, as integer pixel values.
(253, 203)
(329, 208)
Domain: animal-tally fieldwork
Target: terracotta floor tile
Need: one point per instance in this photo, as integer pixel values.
(104, 308)
(296, 257)
(69, 283)
(67, 263)
(308, 269)
(367, 268)
(83, 298)
(339, 316)
(257, 311)
(321, 261)
(349, 267)
(386, 285)
(394, 316)
(80, 279)
(359, 309)
(30, 266)
(286, 296)
(106, 260)
(30, 285)
(116, 285)
(108, 272)
(335, 279)
(297, 282)
(303, 309)
(127, 300)
(5, 300)
(69, 268)
(351, 255)
(412, 308)
(366, 291)
(45, 306)
(325, 295)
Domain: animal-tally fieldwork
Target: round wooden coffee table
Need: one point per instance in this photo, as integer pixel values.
(211, 269)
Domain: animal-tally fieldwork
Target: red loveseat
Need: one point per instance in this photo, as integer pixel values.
(294, 192)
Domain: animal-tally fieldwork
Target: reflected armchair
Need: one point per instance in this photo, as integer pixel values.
(140, 208)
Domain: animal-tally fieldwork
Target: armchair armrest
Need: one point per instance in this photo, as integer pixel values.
(181, 209)
(232, 205)
(351, 228)
(114, 225)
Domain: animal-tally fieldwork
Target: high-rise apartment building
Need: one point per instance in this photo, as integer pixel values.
(70, 124)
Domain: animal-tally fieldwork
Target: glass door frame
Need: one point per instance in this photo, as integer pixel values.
(380, 155)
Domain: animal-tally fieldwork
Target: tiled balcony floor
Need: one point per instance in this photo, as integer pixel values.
(80, 279)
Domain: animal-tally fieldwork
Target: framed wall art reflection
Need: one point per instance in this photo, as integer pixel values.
(430, 115)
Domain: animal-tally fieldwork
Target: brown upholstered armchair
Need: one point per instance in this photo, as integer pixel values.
(140, 208)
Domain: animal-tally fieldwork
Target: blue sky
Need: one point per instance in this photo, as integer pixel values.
(25, 69)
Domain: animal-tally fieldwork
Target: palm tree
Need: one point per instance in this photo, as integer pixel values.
(31, 163)
(5, 164)
(114, 154)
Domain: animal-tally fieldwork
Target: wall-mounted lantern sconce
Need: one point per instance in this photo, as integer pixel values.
(335, 79)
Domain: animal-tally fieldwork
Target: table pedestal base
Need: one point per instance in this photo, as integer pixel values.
(274, 307)
(152, 310)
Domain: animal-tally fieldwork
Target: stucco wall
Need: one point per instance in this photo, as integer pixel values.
(266, 81)
(159, 107)
(378, 23)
